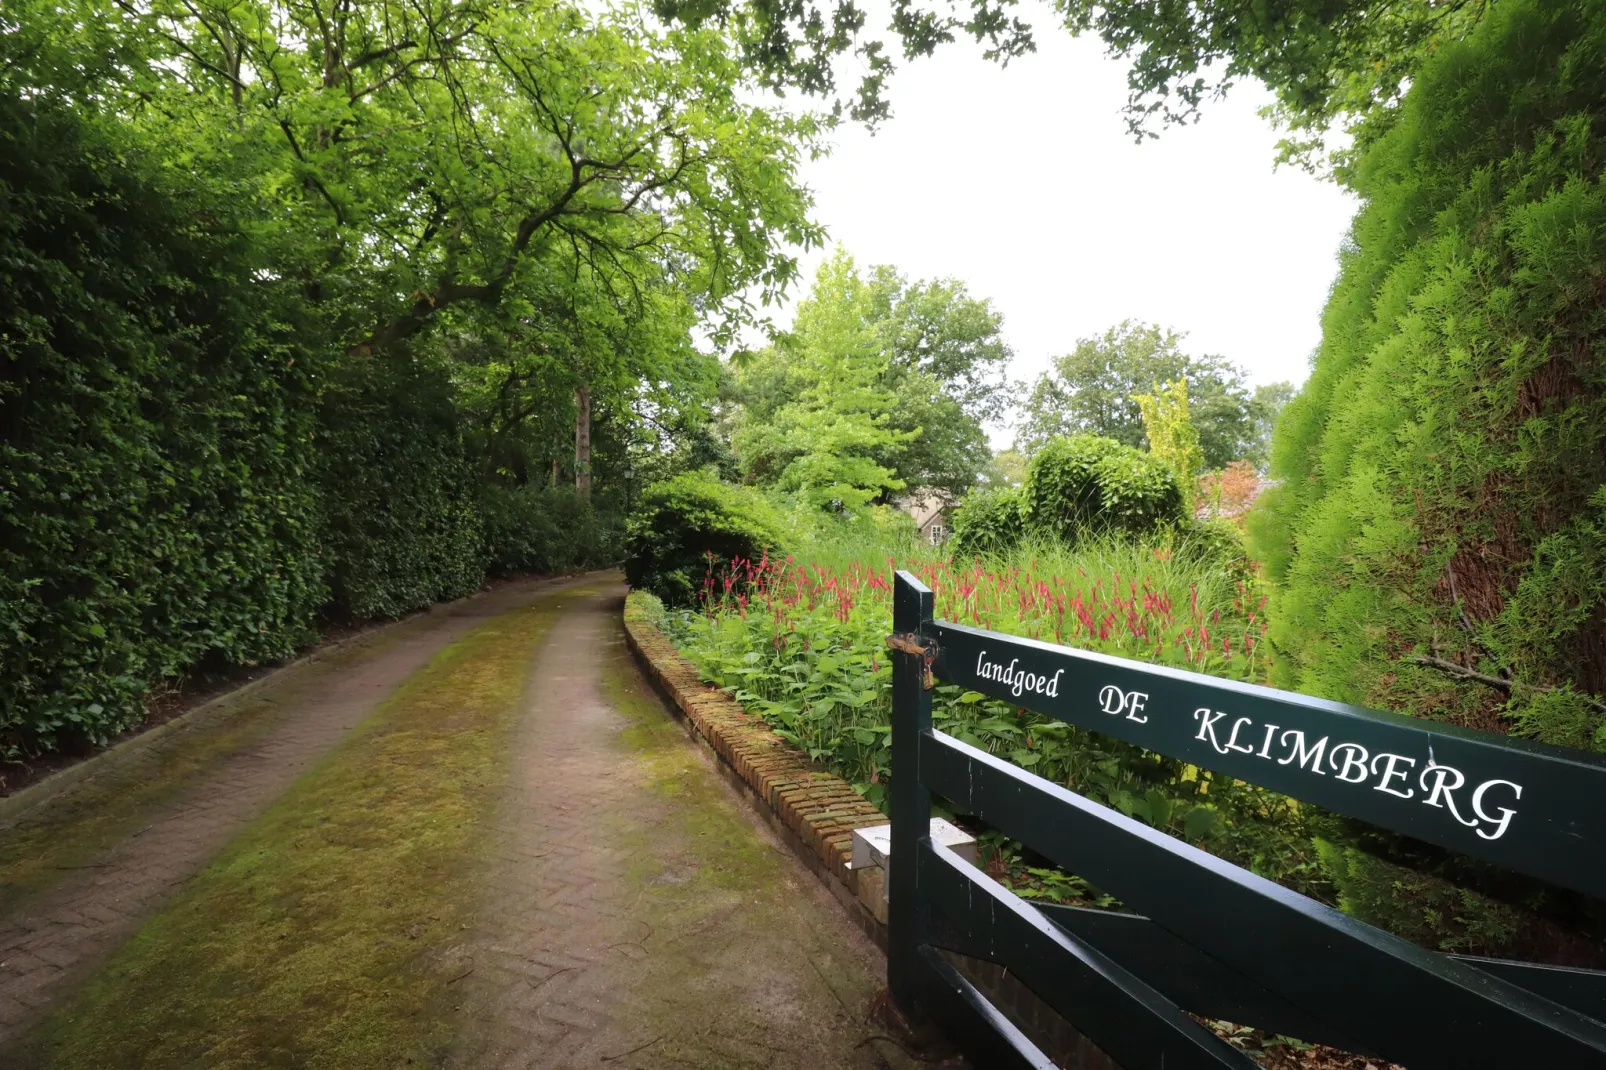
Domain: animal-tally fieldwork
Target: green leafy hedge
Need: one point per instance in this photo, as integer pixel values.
(681, 523)
(190, 475)
(988, 521)
(543, 529)
(401, 527)
(1086, 483)
(157, 501)
(1444, 467)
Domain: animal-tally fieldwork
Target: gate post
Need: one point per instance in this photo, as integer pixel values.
(911, 802)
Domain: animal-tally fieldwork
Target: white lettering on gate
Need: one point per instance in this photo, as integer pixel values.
(1505, 814)
(1351, 763)
(1299, 754)
(1018, 682)
(1113, 700)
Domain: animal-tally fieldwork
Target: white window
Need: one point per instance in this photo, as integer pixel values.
(937, 534)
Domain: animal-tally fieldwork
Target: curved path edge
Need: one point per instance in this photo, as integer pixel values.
(813, 812)
(56, 937)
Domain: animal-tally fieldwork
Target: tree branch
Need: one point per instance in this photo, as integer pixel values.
(1461, 672)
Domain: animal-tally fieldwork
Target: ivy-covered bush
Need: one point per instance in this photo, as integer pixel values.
(988, 521)
(158, 499)
(681, 523)
(1087, 483)
(543, 529)
(401, 524)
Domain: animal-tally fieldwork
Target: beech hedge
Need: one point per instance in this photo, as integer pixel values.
(192, 477)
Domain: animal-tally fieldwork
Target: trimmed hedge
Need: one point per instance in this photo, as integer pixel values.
(988, 521)
(158, 499)
(1081, 483)
(682, 522)
(190, 475)
(401, 527)
(543, 529)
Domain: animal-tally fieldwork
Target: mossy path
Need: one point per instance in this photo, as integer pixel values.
(635, 914)
(474, 839)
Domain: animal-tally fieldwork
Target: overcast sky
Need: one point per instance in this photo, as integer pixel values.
(1024, 183)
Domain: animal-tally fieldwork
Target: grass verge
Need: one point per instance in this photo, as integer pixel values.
(319, 937)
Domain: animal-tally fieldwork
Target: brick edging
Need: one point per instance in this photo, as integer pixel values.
(817, 812)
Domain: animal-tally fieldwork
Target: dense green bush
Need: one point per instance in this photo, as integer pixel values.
(681, 522)
(1216, 543)
(157, 505)
(1085, 483)
(988, 521)
(401, 528)
(543, 529)
(1418, 906)
(1445, 466)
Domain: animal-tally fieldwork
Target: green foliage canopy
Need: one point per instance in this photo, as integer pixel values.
(881, 385)
(1329, 63)
(1092, 390)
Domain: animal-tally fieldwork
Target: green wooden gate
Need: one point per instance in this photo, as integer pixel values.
(1214, 939)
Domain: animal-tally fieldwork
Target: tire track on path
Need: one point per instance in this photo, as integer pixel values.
(635, 912)
(53, 940)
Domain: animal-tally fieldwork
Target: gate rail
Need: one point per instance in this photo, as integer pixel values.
(1215, 939)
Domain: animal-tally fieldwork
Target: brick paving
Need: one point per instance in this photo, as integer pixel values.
(636, 913)
(54, 940)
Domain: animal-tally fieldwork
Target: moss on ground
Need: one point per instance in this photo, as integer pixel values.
(742, 966)
(318, 938)
(73, 830)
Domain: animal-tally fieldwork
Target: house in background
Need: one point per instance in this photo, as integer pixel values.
(930, 513)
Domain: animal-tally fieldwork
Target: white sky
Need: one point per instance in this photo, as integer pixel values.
(1024, 183)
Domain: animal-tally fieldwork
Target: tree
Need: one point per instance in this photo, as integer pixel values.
(1265, 405)
(1091, 390)
(1330, 64)
(928, 360)
(1437, 543)
(1172, 436)
(937, 329)
(1006, 468)
(819, 418)
(425, 157)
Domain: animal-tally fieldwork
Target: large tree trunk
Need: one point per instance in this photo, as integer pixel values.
(582, 441)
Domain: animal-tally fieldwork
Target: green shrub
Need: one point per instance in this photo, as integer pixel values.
(543, 529)
(1444, 466)
(1085, 483)
(988, 521)
(682, 522)
(1216, 543)
(157, 501)
(401, 526)
(1422, 908)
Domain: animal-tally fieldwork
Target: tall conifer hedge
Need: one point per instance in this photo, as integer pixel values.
(1444, 510)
